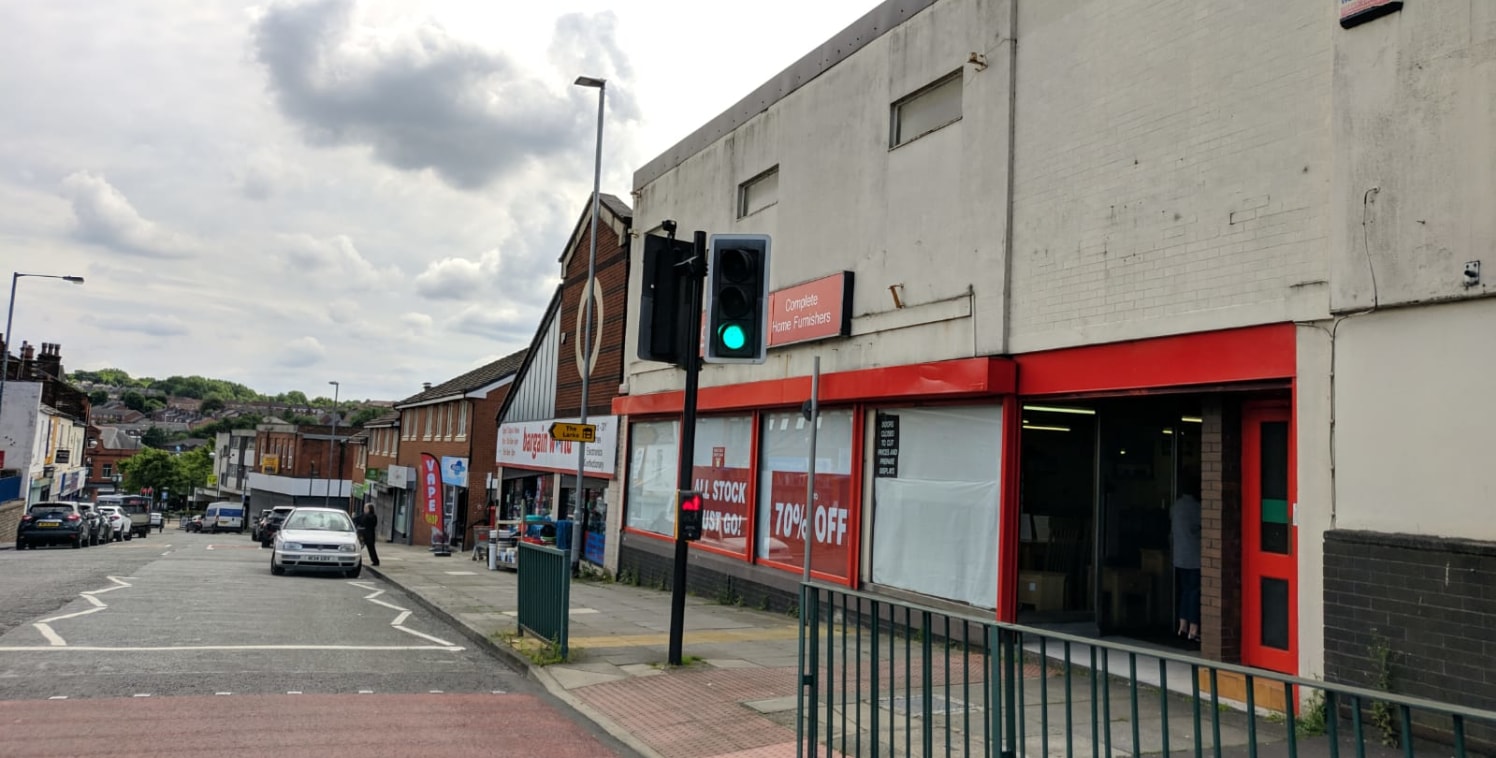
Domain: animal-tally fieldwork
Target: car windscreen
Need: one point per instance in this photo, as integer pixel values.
(324, 522)
(46, 508)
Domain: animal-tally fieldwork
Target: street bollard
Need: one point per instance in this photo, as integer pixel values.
(493, 549)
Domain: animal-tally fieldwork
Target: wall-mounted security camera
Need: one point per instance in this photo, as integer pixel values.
(1472, 273)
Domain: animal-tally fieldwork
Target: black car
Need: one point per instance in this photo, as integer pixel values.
(53, 524)
(99, 528)
(272, 524)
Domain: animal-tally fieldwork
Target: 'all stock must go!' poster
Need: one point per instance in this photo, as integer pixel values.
(830, 523)
(724, 492)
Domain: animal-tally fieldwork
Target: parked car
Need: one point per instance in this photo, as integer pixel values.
(52, 523)
(316, 539)
(136, 507)
(194, 524)
(99, 529)
(119, 523)
(259, 520)
(158, 520)
(274, 518)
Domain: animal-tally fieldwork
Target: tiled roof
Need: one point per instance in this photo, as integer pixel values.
(114, 438)
(387, 419)
(478, 377)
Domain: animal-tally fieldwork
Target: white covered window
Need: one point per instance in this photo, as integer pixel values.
(936, 475)
(462, 420)
(653, 463)
(722, 472)
(926, 110)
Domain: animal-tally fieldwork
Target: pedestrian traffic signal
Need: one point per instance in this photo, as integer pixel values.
(688, 515)
(665, 309)
(737, 298)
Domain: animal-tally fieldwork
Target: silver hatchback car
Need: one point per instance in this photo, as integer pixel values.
(316, 539)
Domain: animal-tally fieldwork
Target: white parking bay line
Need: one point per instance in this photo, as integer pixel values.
(186, 648)
(58, 697)
(223, 693)
(293, 692)
(142, 694)
(460, 573)
(366, 692)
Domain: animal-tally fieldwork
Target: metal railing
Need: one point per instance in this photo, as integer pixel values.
(880, 677)
(545, 594)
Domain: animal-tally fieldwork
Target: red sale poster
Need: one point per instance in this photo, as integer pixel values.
(725, 523)
(831, 523)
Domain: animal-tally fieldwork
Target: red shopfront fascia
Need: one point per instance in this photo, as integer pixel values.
(942, 380)
(1266, 353)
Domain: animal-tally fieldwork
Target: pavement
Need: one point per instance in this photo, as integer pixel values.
(736, 695)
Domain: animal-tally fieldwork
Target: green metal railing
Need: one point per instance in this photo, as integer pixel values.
(545, 594)
(881, 677)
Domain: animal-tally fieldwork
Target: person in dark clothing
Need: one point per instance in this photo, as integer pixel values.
(367, 530)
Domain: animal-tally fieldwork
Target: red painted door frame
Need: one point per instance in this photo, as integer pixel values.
(1258, 564)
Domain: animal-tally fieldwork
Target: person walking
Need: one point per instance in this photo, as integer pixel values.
(368, 532)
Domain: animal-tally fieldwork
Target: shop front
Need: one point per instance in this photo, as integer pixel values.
(538, 477)
(906, 495)
(1154, 493)
(398, 479)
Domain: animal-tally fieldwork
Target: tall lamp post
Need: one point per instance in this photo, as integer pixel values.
(10, 314)
(585, 364)
(327, 498)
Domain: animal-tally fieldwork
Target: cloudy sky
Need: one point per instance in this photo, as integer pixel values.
(369, 191)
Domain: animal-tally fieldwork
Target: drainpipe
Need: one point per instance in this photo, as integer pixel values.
(1012, 180)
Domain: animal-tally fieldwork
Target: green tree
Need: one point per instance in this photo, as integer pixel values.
(98, 397)
(156, 469)
(155, 437)
(365, 415)
(212, 404)
(133, 400)
(195, 467)
(153, 404)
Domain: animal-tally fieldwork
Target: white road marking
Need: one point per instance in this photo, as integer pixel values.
(366, 692)
(223, 693)
(142, 694)
(293, 692)
(437, 692)
(163, 555)
(100, 649)
(399, 621)
(460, 573)
(56, 640)
(58, 697)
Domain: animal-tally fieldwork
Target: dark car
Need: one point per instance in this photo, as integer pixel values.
(99, 527)
(194, 524)
(272, 524)
(53, 524)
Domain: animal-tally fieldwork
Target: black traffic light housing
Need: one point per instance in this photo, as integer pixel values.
(737, 299)
(665, 308)
(688, 511)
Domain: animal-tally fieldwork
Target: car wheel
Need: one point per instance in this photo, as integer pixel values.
(354, 572)
(129, 536)
(275, 568)
(144, 533)
(78, 541)
(20, 544)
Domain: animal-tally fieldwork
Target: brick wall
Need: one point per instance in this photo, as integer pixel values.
(1220, 530)
(1431, 602)
(650, 562)
(10, 520)
(613, 280)
(1172, 164)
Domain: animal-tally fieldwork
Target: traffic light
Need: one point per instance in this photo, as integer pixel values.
(737, 298)
(664, 309)
(688, 515)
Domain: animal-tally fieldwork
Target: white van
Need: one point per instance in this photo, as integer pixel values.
(224, 516)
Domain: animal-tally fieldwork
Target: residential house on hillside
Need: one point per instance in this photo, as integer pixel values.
(448, 434)
(107, 446)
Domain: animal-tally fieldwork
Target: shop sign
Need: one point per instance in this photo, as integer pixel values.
(830, 524)
(399, 477)
(1353, 12)
(454, 471)
(724, 495)
(431, 490)
(529, 445)
(811, 311)
(887, 450)
(374, 475)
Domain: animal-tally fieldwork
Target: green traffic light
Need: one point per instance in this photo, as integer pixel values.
(734, 337)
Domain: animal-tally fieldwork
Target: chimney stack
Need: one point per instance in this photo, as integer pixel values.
(50, 361)
(426, 386)
(28, 359)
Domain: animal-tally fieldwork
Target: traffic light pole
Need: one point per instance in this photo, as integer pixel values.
(695, 275)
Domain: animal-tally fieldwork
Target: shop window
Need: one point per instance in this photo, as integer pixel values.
(430, 418)
(781, 492)
(653, 463)
(108, 470)
(936, 485)
(722, 471)
(934, 107)
(758, 193)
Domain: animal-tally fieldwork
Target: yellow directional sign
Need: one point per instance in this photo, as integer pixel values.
(562, 432)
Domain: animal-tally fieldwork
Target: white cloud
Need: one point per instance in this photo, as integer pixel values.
(105, 217)
(334, 257)
(155, 325)
(458, 278)
(494, 322)
(418, 323)
(301, 352)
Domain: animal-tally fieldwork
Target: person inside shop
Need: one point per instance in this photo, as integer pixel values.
(368, 527)
(1184, 520)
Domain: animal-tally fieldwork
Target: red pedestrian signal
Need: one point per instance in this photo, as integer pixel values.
(688, 515)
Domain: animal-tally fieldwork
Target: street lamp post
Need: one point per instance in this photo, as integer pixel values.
(10, 315)
(580, 533)
(327, 498)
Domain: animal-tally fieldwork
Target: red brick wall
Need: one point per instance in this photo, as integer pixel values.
(480, 448)
(1220, 530)
(613, 280)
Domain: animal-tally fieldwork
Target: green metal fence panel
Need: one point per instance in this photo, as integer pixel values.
(545, 594)
(970, 686)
